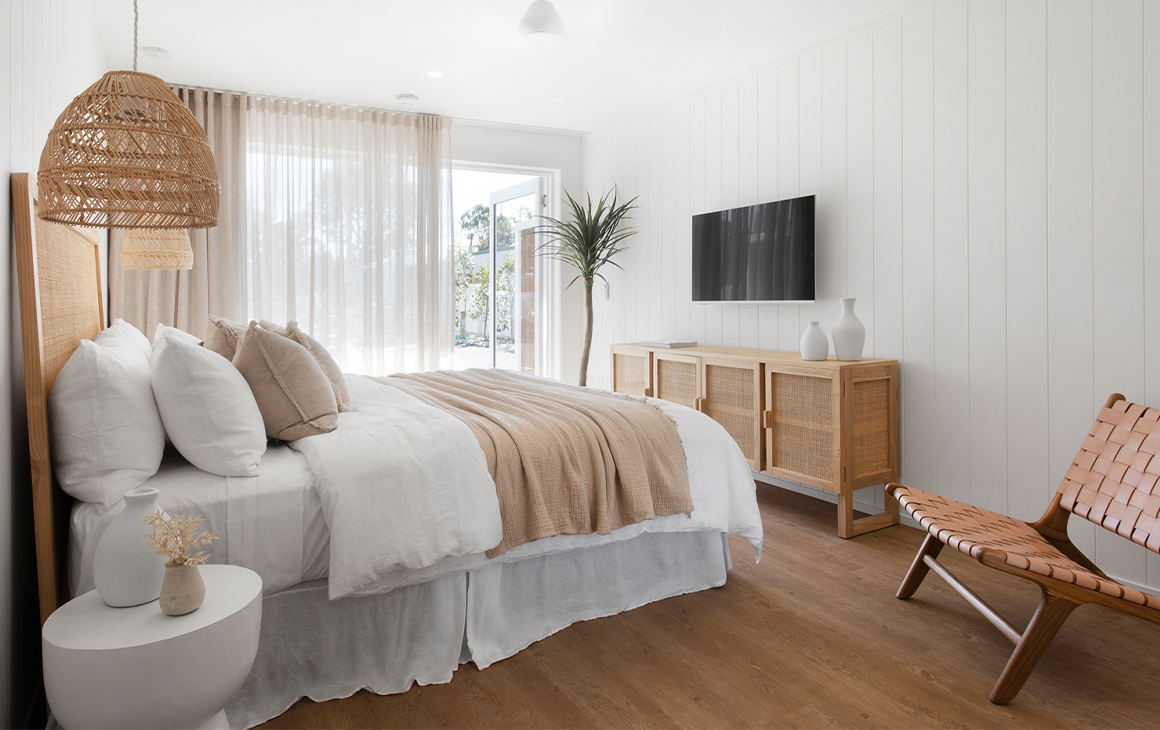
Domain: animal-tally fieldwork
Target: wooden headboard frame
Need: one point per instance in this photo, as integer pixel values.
(59, 274)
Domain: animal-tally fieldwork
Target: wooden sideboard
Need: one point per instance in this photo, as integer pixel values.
(828, 424)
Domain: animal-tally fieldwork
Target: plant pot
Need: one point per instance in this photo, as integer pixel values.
(182, 590)
(849, 333)
(126, 570)
(815, 345)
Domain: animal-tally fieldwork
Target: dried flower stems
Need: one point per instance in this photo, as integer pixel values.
(175, 537)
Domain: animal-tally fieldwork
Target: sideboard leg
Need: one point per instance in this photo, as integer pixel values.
(846, 521)
(849, 527)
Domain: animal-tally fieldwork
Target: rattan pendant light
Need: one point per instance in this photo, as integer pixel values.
(127, 153)
(153, 248)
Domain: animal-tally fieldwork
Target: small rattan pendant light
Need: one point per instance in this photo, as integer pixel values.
(127, 153)
(156, 248)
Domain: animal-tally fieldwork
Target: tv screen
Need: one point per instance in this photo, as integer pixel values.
(762, 253)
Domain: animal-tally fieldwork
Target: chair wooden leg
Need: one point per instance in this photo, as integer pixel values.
(918, 569)
(1046, 622)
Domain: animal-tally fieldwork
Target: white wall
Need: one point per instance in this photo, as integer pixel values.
(51, 54)
(544, 150)
(988, 182)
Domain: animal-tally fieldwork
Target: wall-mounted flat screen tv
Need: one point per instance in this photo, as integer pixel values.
(761, 253)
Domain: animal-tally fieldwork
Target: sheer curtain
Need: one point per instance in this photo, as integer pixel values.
(350, 231)
(185, 299)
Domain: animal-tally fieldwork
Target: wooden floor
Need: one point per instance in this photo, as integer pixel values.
(810, 638)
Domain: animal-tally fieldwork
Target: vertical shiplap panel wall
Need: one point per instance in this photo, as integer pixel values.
(987, 186)
(1026, 226)
(1151, 263)
(917, 416)
(951, 456)
(987, 251)
(50, 54)
(1118, 220)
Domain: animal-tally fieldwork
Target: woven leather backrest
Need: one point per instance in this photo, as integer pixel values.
(1113, 481)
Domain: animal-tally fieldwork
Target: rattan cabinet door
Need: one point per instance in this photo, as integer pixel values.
(801, 426)
(874, 414)
(732, 389)
(677, 378)
(631, 370)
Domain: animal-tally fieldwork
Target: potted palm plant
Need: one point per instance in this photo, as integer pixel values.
(588, 240)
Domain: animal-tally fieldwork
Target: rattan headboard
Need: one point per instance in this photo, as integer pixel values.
(59, 273)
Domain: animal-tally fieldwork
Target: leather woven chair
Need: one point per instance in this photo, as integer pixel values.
(1112, 482)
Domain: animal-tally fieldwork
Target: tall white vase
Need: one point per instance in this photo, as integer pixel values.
(814, 344)
(125, 568)
(849, 333)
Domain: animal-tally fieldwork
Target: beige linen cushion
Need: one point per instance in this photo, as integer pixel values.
(275, 328)
(294, 395)
(223, 336)
(329, 366)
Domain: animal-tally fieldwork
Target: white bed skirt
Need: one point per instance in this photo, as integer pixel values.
(313, 647)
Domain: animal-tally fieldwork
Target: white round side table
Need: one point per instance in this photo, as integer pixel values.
(137, 667)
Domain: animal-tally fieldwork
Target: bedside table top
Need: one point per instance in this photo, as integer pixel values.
(86, 623)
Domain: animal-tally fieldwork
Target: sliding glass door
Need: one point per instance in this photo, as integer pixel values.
(512, 265)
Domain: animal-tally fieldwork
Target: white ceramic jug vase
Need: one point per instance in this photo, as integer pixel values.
(849, 333)
(815, 345)
(125, 568)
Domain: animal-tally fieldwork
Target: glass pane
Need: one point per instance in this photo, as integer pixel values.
(474, 308)
(514, 311)
(472, 289)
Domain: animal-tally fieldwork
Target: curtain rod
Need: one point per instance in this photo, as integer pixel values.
(293, 100)
(462, 120)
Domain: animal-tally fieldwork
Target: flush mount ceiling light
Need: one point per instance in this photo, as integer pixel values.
(127, 153)
(434, 74)
(541, 26)
(407, 99)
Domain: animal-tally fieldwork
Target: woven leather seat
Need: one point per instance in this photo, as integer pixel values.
(1113, 482)
(971, 530)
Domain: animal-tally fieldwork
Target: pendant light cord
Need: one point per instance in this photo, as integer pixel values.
(134, 35)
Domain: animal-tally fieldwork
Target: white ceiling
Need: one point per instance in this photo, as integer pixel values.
(619, 58)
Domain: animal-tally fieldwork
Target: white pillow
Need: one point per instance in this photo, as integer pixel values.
(107, 436)
(207, 407)
(165, 330)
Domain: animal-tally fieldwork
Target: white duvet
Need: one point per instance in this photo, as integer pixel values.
(407, 496)
(402, 484)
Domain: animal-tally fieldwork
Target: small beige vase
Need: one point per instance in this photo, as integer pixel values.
(182, 589)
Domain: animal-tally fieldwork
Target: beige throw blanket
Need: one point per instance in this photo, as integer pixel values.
(565, 460)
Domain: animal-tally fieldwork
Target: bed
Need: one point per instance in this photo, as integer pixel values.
(412, 624)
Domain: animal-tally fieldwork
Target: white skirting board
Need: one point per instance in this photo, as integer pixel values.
(859, 505)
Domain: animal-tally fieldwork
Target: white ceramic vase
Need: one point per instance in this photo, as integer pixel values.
(815, 345)
(126, 569)
(182, 590)
(849, 333)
